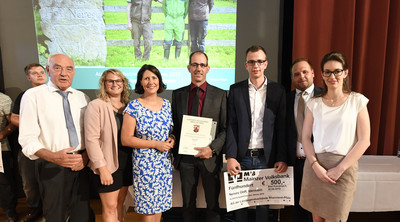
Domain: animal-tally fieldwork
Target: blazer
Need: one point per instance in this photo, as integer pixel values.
(214, 107)
(101, 136)
(239, 122)
(291, 125)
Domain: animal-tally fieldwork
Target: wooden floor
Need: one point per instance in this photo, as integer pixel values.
(174, 215)
(22, 210)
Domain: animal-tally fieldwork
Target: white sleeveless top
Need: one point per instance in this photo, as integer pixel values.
(334, 128)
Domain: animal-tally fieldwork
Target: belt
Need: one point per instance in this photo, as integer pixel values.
(77, 151)
(301, 157)
(255, 152)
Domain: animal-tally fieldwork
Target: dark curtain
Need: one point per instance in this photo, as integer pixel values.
(368, 33)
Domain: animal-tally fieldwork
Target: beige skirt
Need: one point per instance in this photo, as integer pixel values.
(329, 201)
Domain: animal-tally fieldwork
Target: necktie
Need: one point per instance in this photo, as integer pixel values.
(195, 103)
(300, 115)
(73, 136)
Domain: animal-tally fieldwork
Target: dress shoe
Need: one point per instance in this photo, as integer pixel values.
(33, 215)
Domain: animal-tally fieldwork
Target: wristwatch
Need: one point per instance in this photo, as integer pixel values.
(213, 152)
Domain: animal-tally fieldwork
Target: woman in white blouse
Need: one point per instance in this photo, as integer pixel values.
(339, 123)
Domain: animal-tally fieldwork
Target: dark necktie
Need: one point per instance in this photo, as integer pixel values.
(195, 103)
(300, 116)
(73, 136)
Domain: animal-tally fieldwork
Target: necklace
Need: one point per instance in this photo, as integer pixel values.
(117, 108)
(332, 102)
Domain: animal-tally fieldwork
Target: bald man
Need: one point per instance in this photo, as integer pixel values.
(45, 113)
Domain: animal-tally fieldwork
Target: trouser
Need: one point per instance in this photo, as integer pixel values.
(198, 33)
(8, 195)
(146, 31)
(253, 163)
(65, 193)
(174, 28)
(190, 168)
(29, 181)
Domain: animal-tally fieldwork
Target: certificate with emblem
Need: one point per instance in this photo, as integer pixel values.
(196, 132)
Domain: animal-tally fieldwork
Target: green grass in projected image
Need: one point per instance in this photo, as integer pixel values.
(221, 56)
(221, 32)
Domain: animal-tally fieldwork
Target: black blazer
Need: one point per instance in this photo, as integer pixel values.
(239, 122)
(291, 125)
(214, 107)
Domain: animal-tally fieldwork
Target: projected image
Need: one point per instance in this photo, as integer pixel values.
(125, 34)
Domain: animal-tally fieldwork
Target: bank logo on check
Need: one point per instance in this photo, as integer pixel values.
(236, 178)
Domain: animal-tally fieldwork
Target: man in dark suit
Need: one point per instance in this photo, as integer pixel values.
(256, 124)
(204, 100)
(302, 78)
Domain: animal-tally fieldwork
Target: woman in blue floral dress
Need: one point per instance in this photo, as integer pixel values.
(147, 128)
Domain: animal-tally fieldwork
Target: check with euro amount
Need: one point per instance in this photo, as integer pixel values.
(258, 187)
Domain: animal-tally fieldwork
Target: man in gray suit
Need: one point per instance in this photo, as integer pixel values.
(204, 100)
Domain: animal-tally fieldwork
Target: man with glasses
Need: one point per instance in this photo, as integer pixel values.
(51, 132)
(302, 75)
(203, 100)
(256, 125)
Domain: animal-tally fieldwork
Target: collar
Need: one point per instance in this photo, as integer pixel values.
(309, 90)
(54, 88)
(263, 85)
(203, 86)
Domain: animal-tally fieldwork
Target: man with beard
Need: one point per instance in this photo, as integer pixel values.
(302, 78)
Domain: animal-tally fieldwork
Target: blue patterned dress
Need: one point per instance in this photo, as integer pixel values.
(152, 170)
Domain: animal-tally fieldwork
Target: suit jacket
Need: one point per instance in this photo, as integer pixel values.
(214, 107)
(101, 136)
(291, 125)
(239, 122)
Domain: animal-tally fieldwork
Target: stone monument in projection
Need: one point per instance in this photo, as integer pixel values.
(75, 28)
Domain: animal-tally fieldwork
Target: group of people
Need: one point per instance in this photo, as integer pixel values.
(175, 12)
(323, 131)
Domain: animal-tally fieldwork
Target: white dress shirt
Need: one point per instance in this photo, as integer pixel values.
(42, 120)
(257, 106)
(309, 94)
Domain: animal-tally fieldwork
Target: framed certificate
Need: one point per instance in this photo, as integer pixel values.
(196, 132)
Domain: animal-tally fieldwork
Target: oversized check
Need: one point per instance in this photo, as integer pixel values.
(195, 132)
(258, 187)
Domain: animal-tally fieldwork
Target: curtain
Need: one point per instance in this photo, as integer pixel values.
(368, 33)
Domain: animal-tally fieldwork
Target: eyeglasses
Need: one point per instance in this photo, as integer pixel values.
(255, 62)
(328, 73)
(195, 65)
(111, 82)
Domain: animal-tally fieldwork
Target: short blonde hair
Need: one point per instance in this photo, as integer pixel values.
(125, 92)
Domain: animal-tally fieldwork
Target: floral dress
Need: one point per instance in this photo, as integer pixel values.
(152, 169)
